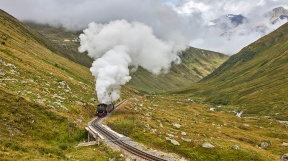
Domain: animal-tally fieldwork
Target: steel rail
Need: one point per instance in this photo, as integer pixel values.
(137, 152)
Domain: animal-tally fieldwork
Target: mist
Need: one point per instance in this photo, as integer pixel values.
(186, 19)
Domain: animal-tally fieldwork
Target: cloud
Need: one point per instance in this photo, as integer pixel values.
(200, 15)
(169, 19)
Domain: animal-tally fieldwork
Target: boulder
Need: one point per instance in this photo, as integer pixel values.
(235, 147)
(264, 145)
(170, 135)
(64, 85)
(174, 142)
(208, 145)
(186, 140)
(176, 125)
(284, 157)
(183, 133)
(284, 144)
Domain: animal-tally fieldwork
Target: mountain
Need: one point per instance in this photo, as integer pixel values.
(61, 41)
(232, 24)
(229, 21)
(276, 14)
(255, 79)
(196, 64)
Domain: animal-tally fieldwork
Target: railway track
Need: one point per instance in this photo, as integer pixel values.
(104, 132)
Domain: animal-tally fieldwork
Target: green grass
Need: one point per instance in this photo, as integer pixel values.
(39, 119)
(196, 64)
(140, 119)
(255, 79)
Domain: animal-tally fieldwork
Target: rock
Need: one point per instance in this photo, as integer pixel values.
(186, 140)
(235, 147)
(1, 60)
(11, 66)
(284, 157)
(264, 145)
(2, 72)
(174, 142)
(154, 130)
(64, 85)
(183, 133)
(58, 97)
(284, 144)
(238, 114)
(161, 125)
(170, 135)
(246, 125)
(176, 125)
(207, 145)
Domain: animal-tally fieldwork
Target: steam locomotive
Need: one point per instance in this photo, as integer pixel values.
(103, 109)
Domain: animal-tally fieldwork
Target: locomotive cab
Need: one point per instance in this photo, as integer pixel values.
(101, 110)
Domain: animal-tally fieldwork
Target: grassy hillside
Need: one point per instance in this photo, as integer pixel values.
(196, 64)
(45, 99)
(156, 120)
(255, 79)
(60, 41)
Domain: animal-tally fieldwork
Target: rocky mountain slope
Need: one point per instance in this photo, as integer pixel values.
(276, 14)
(232, 24)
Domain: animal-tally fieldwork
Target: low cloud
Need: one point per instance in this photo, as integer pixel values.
(185, 19)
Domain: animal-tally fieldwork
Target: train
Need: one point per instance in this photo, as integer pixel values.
(103, 109)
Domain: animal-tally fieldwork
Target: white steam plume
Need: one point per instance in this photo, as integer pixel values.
(119, 44)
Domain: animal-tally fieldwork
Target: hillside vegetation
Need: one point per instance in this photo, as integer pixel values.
(60, 41)
(196, 64)
(255, 79)
(181, 125)
(45, 99)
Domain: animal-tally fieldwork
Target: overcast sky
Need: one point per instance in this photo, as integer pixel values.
(169, 19)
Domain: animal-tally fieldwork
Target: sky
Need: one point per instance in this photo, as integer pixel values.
(183, 21)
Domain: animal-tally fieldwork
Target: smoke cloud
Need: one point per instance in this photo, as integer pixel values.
(118, 45)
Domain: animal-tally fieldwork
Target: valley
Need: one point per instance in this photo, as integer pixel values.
(47, 98)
